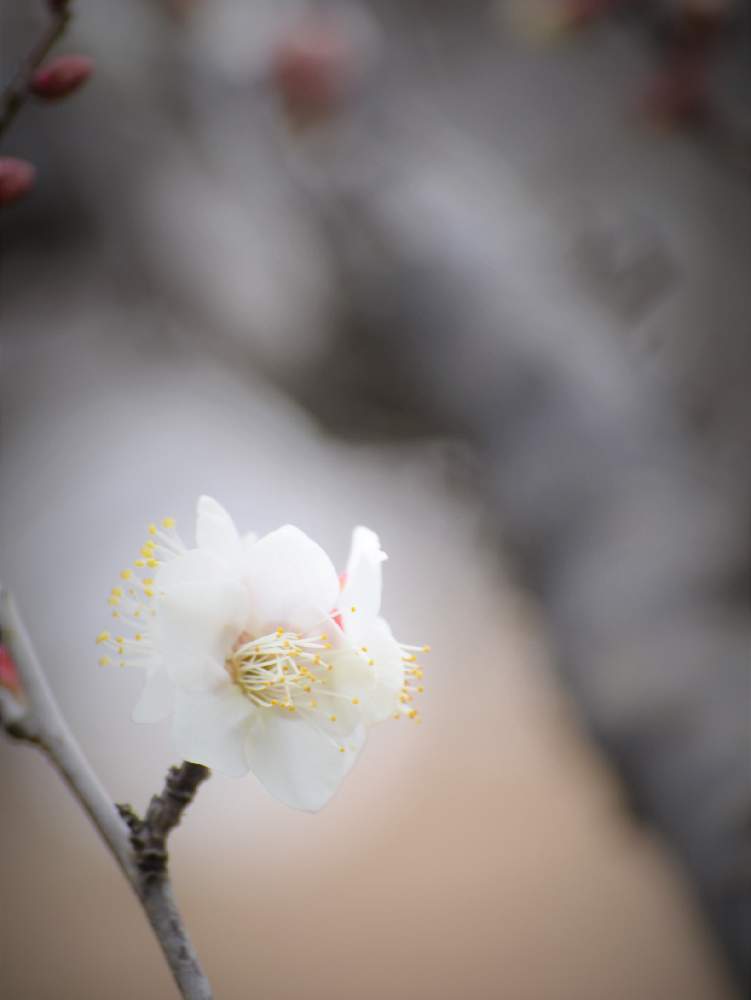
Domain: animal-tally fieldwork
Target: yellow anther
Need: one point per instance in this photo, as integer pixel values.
(102, 637)
(332, 718)
(363, 649)
(355, 701)
(280, 631)
(353, 609)
(126, 574)
(412, 713)
(120, 652)
(313, 703)
(426, 649)
(168, 522)
(147, 581)
(371, 663)
(147, 550)
(342, 749)
(148, 591)
(420, 689)
(290, 708)
(329, 667)
(104, 661)
(113, 601)
(115, 614)
(274, 701)
(140, 563)
(117, 591)
(153, 529)
(152, 563)
(138, 637)
(307, 689)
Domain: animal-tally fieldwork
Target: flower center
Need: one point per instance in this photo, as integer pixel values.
(281, 669)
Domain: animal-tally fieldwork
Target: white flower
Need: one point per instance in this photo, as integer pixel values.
(264, 660)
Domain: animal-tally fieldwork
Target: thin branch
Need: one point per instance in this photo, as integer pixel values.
(36, 718)
(44, 725)
(16, 93)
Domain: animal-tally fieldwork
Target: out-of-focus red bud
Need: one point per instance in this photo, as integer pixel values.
(16, 179)
(312, 68)
(8, 673)
(61, 77)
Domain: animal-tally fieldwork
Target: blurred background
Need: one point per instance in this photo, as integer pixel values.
(293, 256)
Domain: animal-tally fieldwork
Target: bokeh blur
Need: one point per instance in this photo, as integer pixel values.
(265, 246)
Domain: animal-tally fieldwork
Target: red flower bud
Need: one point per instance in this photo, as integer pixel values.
(312, 69)
(16, 179)
(8, 673)
(61, 77)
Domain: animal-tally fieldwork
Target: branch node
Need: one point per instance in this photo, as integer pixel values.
(148, 836)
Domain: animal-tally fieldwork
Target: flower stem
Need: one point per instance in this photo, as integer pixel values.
(36, 718)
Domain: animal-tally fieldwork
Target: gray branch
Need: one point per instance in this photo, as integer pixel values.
(141, 854)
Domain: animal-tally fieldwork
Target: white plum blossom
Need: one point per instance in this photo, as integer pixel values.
(266, 660)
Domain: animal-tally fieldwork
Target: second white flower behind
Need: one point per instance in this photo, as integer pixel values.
(267, 660)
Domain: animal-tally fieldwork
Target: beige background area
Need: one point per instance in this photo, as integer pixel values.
(484, 854)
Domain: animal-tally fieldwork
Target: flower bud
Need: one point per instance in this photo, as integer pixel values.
(311, 69)
(8, 673)
(61, 77)
(16, 179)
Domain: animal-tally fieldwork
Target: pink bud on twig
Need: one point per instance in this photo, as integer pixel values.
(16, 179)
(8, 673)
(61, 77)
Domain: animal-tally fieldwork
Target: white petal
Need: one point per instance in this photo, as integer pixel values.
(157, 698)
(291, 582)
(211, 728)
(362, 585)
(249, 539)
(215, 530)
(200, 611)
(352, 676)
(388, 668)
(297, 764)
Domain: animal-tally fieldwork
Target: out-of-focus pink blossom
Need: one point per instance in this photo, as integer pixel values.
(312, 68)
